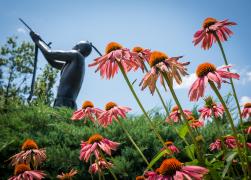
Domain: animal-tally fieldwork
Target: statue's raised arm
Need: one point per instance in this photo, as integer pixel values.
(72, 65)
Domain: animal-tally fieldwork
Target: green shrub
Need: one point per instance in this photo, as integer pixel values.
(53, 129)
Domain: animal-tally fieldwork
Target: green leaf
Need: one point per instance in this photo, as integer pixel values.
(182, 131)
(193, 162)
(6, 145)
(229, 160)
(190, 151)
(216, 157)
(156, 158)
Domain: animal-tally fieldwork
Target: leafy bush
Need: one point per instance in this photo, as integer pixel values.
(53, 129)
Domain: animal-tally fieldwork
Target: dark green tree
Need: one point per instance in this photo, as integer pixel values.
(44, 85)
(16, 63)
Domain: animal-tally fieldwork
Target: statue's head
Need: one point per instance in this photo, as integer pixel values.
(84, 47)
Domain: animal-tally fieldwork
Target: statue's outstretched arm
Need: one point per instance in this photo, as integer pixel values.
(56, 56)
(56, 59)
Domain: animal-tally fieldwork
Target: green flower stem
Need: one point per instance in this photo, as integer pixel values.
(165, 107)
(230, 119)
(231, 80)
(103, 156)
(132, 141)
(99, 176)
(140, 105)
(235, 97)
(216, 120)
(182, 114)
(158, 92)
(103, 177)
(184, 139)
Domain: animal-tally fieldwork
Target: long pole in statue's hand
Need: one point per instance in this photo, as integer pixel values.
(96, 49)
(35, 62)
(33, 75)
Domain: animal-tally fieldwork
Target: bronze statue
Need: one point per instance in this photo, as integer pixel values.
(72, 66)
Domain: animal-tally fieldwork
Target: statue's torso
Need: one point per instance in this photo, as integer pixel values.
(72, 75)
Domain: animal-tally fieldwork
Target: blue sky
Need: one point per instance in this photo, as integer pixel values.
(167, 26)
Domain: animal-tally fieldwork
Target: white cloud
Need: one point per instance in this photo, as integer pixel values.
(187, 81)
(21, 30)
(245, 75)
(245, 99)
(248, 75)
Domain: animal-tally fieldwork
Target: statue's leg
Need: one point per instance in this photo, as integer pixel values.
(65, 102)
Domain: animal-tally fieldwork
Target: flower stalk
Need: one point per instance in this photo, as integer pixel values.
(103, 156)
(183, 115)
(230, 119)
(231, 80)
(140, 104)
(158, 92)
(133, 142)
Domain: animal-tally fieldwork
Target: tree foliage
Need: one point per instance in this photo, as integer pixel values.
(16, 67)
(16, 62)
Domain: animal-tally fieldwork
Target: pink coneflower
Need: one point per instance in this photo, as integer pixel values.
(108, 64)
(246, 112)
(211, 109)
(196, 123)
(248, 130)
(140, 55)
(175, 115)
(229, 141)
(249, 145)
(67, 176)
(208, 72)
(88, 111)
(173, 169)
(99, 165)
(30, 154)
(170, 145)
(210, 28)
(23, 172)
(112, 112)
(215, 145)
(160, 63)
(95, 143)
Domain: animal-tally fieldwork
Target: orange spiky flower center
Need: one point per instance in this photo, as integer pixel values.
(157, 170)
(190, 118)
(112, 46)
(157, 57)
(208, 22)
(170, 166)
(137, 49)
(110, 105)
(168, 143)
(194, 120)
(175, 108)
(247, 105)
(229, 137)
(29, 144)
(95, 138)
(203, 69)
(140, 178)
(87, 104)
(21, 168)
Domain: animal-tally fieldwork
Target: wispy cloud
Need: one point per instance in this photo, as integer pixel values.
(248, 75)
(21, 30)
(245, 99)
(245, 75)
(187, 81)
